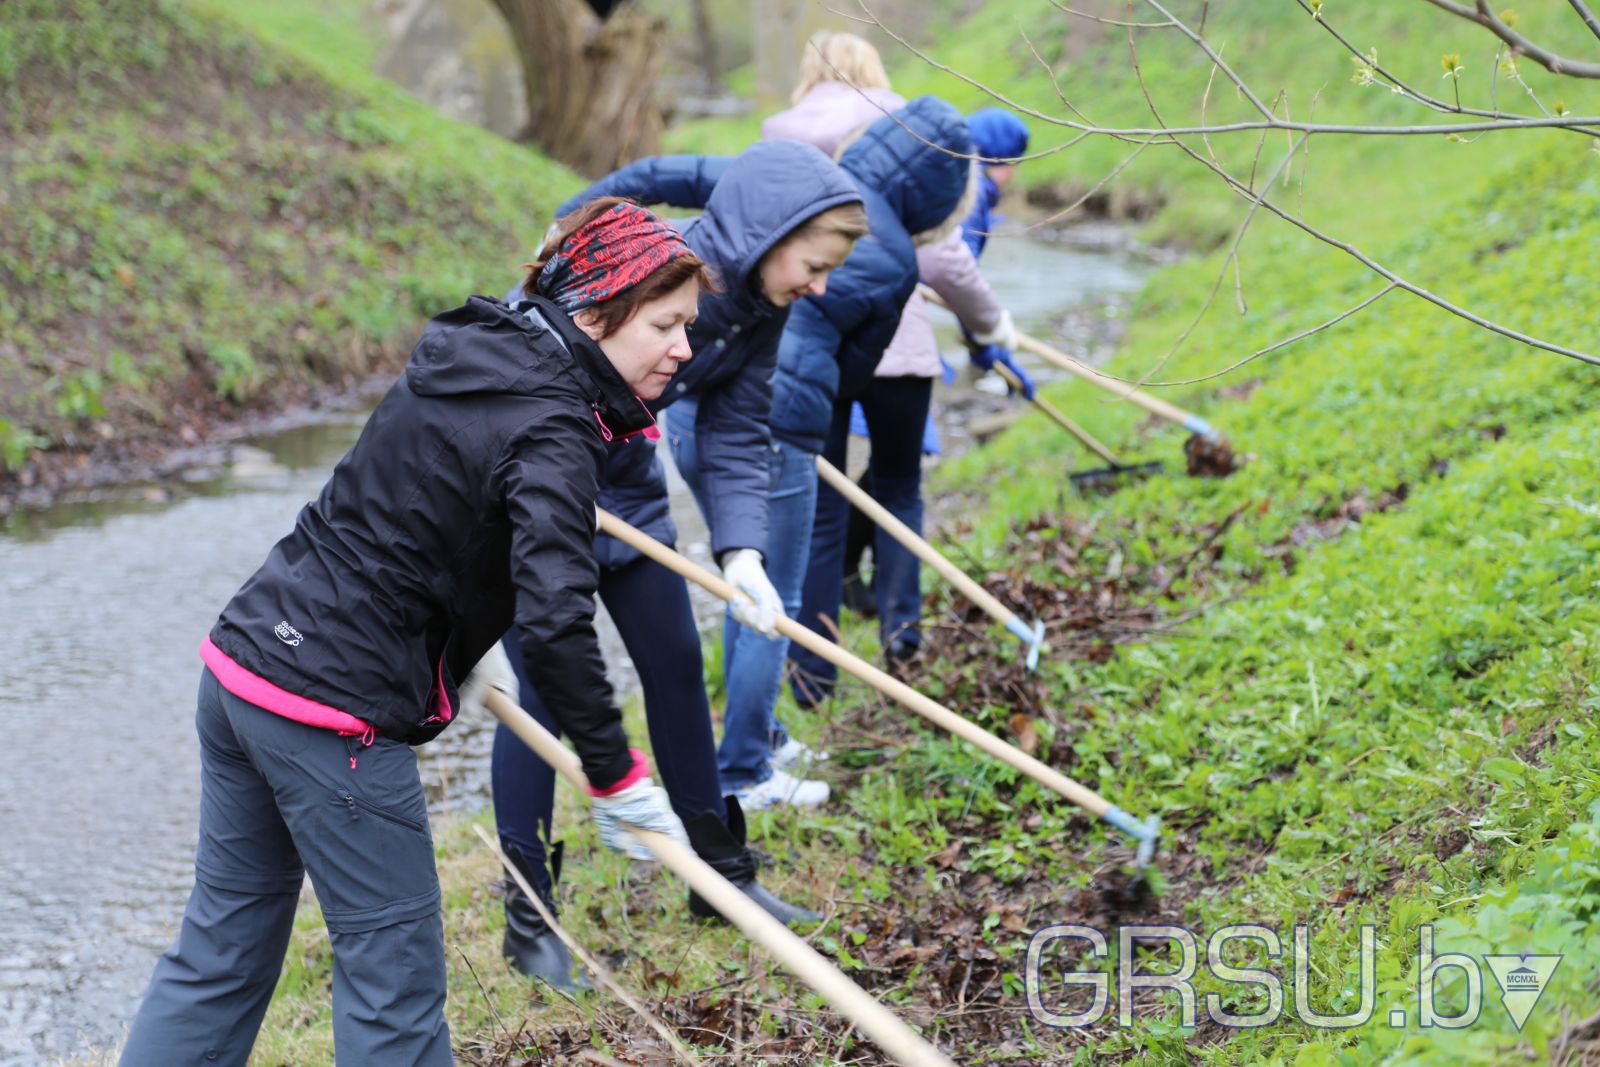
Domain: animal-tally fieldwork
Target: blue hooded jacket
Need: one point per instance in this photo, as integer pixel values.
(910, 182)
(997, 134)
(751, 202)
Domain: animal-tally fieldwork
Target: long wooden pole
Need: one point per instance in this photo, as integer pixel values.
(1145, 832)
(1191, 422)
(1059, 417)
(877, 1022)
(1031, 636)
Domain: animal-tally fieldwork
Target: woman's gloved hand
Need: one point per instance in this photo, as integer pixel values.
(986, 357)
(1004, 335)
(492, 672)
(743, 569)
(638, 802)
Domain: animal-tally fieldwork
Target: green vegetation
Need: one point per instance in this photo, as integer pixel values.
(1273, 44)
(1369, 697)
(201, 208)
(1383, 710)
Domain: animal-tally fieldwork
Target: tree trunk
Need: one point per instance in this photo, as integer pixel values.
(708, 45)
(591, 84)
(781, 29)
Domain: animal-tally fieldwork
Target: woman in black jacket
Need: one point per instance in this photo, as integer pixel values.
(466, 506)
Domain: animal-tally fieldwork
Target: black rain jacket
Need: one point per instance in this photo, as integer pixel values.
(467, 504)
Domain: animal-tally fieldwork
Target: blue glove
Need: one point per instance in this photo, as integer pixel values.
(858, 421)
(986, 357)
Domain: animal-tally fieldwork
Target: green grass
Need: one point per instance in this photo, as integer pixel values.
(1389, 722)
(1273, 45)
(215, 204)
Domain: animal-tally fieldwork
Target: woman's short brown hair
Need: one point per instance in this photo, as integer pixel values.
(611, 315)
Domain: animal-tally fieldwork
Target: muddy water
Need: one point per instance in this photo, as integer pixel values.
(101, 608)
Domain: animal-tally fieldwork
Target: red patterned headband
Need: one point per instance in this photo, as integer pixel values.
(609, 254)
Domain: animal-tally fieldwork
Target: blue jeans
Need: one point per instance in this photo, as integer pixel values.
(752, 665)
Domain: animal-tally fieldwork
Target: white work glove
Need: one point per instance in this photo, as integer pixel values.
(492, 672)
(761, 611)
(1004, 335)
(643, 804)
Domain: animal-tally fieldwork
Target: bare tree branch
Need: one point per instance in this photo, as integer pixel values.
(1112, 22)
(1389, 76)
(1258, 353)
(1484, 16)
(1232, 258)
(1587, 16)
(1061, 213)
(1201, 43)
(1271, 122)
(1384, 272)
(1055, 82)
(1163, 134)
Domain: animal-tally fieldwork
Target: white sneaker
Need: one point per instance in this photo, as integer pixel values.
(793, 753)
(782, 788)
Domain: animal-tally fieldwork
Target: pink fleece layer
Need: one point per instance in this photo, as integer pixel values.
(263, 694)
(641, 770)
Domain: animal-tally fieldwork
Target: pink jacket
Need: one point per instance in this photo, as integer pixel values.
(825, 117)
(949, 268)
(829, 113)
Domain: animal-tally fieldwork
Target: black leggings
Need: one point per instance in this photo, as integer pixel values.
(651, 608)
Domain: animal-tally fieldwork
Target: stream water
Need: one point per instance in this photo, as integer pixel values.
(102, 606)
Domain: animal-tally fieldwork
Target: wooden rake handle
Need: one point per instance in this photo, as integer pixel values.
(1155, 405)
(1085, 438)
(877, 1022)
(1052, 355)
(926, 552)
(884, 683)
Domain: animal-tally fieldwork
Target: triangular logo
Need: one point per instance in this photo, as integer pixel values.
(1522, 980)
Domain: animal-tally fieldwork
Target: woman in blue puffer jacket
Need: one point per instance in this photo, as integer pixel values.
(777, 218)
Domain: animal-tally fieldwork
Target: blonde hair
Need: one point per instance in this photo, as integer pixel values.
(839, 57)
(847, 220)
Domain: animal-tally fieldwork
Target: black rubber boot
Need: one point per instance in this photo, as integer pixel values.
(722, 845)
(530, 945)
(858, 596)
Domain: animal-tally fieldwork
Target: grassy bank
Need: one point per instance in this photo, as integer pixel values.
(1026, 50)
(214, 206)
(1357, 678)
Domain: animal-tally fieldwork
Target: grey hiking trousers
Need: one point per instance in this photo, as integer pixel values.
(278, 800)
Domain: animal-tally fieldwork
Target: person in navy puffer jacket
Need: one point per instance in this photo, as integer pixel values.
(777, 218)
(913, 170)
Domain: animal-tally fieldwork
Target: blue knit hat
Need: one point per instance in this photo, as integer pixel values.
(998, 134)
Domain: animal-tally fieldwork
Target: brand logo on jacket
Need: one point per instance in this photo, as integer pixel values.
(288, 634)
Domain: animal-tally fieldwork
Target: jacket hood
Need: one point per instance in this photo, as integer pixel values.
(998, 134)
(828, 114)
(917, 159)
(767, 192)
(483, 346)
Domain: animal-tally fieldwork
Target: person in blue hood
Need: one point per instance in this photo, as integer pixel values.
(912, 171)
(999, 138)
(777, 219)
